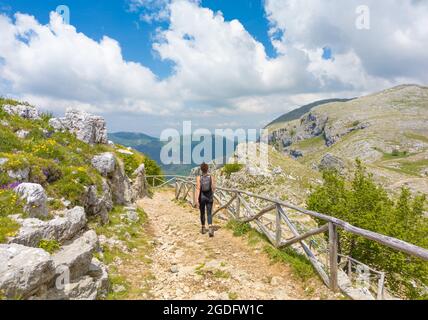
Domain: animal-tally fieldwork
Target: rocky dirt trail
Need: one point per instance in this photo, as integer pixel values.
(189, 265)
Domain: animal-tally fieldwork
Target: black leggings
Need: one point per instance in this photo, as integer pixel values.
(209, 205)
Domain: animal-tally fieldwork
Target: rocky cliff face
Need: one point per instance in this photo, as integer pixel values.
(54, 179)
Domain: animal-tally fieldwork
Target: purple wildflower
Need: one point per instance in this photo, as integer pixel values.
(10, 186)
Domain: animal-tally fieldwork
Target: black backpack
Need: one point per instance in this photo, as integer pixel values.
(206, 183)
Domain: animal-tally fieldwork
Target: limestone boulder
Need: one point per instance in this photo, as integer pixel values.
(24, 111)
(139, 187)
(61, 228)
(35, 199)
(23, 270)
(77, 255)
(99, 204)
(104, 163)
(331, 162)
(87, 127)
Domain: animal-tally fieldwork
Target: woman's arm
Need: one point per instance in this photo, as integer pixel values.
(214, 185)
(198, 189)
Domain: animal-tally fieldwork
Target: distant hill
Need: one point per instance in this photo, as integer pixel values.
(152, 147)
(387, 130)
(299, 112)
(139, 141)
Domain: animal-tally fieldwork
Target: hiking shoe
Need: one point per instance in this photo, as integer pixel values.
(211, 233)
(204, 230)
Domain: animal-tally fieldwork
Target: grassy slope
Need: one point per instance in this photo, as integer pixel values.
(60, 163)
(397, 118)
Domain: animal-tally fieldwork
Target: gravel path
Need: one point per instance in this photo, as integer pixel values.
(189, 265)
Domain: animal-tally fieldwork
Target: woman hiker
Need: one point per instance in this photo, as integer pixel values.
(205, 188)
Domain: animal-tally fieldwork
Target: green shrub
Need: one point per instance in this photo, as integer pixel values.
(9, 203)
(9, 141)
(238, 228)
(230, 168)
(72, 184)
(299, 264)
(366, 205)
(130, 162)
(8, 228)
(50, 246)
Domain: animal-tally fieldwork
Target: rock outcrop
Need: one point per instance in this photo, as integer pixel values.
(331, 162)
(87, 127)
(98, 204)
(35, 199)
(139, 187)
(311, 125)
(63, 227)
(23, 270)
(120, 185)
(105, 163)
(77, 256)
(24, 111)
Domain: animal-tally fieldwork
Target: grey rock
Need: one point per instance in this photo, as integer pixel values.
(311, 125)
(61, 228)
(23, 270)
(105, 163)
(336, 130)
(35, 199)
(77, 256)
(19, 174)
(139, 188)
(66, 203)
(22, 134)
(83, 288)
(88, 128)
(98, 205)
(331, 162)
(117, 288)
(277, 170)
(3, 161)
(296, 154)
(132, 216)
(287, 141)
(26, 112)
(120, 185)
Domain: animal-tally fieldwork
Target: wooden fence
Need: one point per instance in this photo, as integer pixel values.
(279, 227)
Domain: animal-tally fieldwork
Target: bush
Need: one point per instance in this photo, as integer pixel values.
(9, 202)
(8, 228)
(238, 228)
(366, 205)
(230, 168)
(9, 141)
(50, 246)
(300, 265)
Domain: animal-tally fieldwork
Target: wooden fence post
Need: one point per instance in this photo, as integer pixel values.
(381, 287)
(238, 207)
(278, 233)
(332, 234)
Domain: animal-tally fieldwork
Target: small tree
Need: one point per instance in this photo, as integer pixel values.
(367, 205)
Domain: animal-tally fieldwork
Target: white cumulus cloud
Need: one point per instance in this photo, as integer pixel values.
(221, 72)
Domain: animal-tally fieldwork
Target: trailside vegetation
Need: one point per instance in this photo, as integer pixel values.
(364, 204)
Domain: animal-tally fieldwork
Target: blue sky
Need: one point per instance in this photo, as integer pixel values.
(148, 65)
(97, 18)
